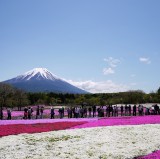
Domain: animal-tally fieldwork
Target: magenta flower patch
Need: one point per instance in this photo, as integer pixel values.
(154, 155)
(122, 121)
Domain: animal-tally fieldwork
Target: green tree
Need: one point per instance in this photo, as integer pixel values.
(5, 92)
(158, 91)
(21, 99)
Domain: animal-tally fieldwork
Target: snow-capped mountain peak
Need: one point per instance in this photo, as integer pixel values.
(38, 73)
(42, 80)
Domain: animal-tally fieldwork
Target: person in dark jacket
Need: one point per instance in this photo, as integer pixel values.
(52, 113)
(41, 112)
(9, 114)
(121, 110)
(90, 110)
(1, 113)
(134, 110)
(94, 110)
(37, 112)
(129, 109)
(25, 113)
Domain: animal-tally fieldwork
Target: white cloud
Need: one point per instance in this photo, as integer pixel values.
(144, 60)
(107, 71)
(100, 87)
(112, 62)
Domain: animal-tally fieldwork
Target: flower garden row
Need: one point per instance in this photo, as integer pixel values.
(114, 121)
(10, 127)
(38, 126)
(15, 129)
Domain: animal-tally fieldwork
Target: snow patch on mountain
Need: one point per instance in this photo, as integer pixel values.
(38, 73)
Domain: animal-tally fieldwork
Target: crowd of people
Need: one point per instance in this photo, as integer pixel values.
(112, 111)
(94, 111)
(28, 112)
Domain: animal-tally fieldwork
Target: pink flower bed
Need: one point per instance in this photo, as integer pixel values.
(36, 121)
(15, 129)
(138, 120)
(154, 155)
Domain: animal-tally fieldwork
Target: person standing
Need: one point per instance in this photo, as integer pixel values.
(60, 113)
(94, 110)
(73, 112)
(37, 112)
(29, 113)
(121, 110)
(116, 110)
(1, 113)
(134, 110)
(126, 110)
(25, 113)
(52, 113)
(69, 111)
(41, 112)
(85, 112)
(129, 108)
(111, 110)
(81, 112)
(9, 114)
(90, 110)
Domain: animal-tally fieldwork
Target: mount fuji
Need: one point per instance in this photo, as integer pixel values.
(42, 80)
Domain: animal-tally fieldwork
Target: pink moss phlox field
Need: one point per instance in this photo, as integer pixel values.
(122, 121)
(6, 130)
(154, 155)
(36, 121)
(15, 113)
(46, 112)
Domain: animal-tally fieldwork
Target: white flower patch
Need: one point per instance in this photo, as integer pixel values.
(118, 142)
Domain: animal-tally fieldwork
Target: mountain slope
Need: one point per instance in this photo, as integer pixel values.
(42, 80)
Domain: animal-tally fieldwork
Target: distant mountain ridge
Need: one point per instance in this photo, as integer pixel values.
(42, 80)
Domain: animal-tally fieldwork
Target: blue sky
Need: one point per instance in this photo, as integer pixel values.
(100, 46)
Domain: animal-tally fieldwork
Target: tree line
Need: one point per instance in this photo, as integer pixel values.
(13, 97)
